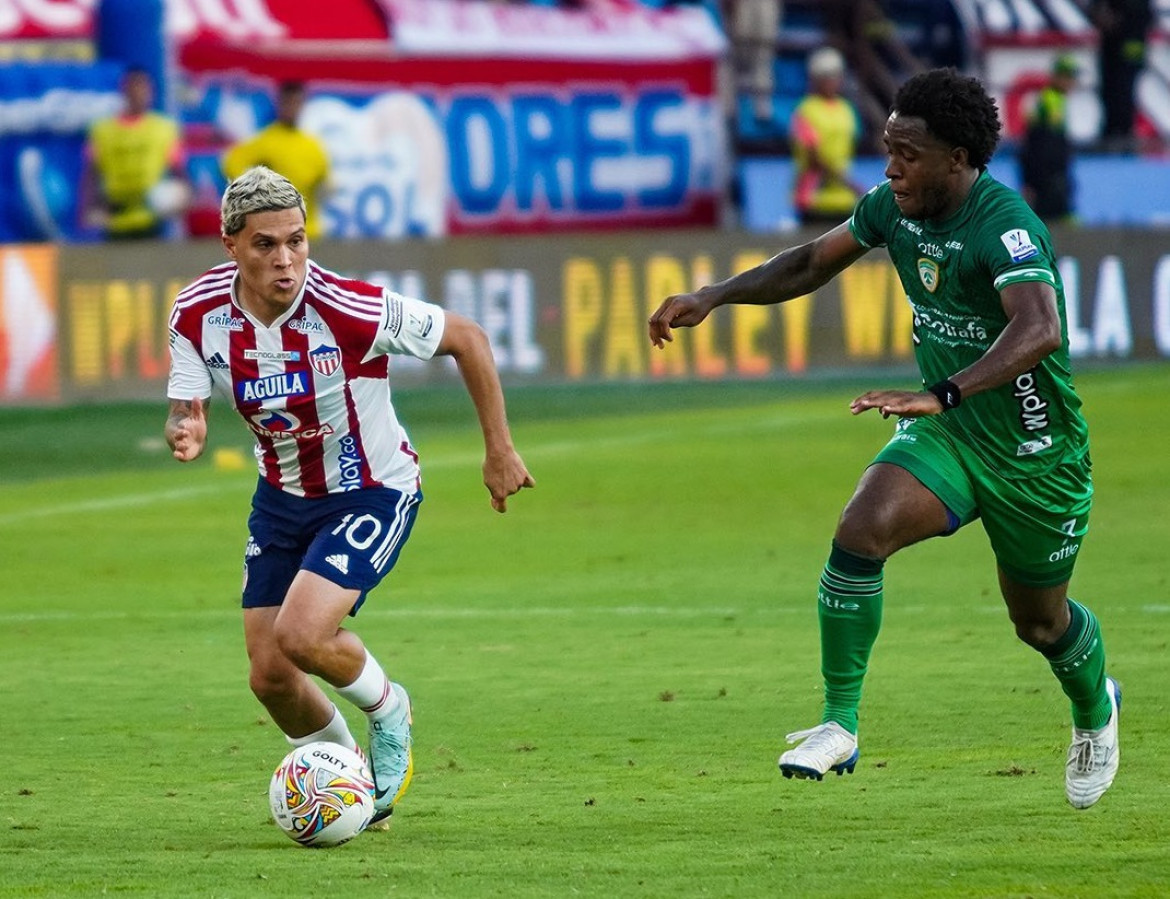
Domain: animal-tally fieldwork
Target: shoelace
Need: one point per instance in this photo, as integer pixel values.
(390, 737)
(1084, 756)
(819, 738)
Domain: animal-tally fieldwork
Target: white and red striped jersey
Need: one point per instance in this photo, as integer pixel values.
(314, 385)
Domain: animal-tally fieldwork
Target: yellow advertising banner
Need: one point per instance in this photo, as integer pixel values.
(90, 322)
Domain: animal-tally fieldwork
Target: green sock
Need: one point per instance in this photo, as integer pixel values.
(1078, 661)
(850, 612)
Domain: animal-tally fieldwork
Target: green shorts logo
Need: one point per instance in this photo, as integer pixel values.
(928, 273)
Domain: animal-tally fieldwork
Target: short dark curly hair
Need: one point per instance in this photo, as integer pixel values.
(956, 108)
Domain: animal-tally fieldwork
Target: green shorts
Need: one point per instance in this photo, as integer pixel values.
(1035, 525)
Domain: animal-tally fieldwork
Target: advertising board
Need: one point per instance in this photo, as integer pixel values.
(558, 309)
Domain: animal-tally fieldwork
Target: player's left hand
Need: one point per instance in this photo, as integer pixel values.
(902, 403)
(504, 473)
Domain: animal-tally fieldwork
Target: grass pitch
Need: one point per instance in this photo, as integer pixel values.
(602, 678)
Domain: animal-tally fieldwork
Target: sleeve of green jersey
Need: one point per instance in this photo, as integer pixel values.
(872, 217)
(1017, 248)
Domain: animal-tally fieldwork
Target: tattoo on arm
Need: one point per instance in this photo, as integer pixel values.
(180, 409)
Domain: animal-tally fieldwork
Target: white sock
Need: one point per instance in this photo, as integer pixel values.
(336, 731)
(371, 691)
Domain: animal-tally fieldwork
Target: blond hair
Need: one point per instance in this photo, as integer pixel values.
(259, 189)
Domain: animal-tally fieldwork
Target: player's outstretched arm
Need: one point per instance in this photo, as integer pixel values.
(504, 472)
(186, 428)
(787, 275)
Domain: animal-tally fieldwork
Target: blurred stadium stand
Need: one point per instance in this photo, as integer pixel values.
(915, 34)
(1008, 43)
(667, 148)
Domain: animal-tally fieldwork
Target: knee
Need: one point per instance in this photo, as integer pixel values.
(271, 679)
(889, 510)
(865, 533)
(1039, 633)
(297, 648)
(1040, 615)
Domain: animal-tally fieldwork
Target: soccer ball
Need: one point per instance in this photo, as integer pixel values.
(322, 794)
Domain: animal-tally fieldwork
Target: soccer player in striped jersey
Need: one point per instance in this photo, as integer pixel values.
(302, 353)
(996, 433)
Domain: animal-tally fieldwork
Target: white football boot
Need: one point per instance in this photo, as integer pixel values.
(826, 747)
(1093, 756)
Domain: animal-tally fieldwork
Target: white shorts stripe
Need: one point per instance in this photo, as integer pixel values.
(383, 553)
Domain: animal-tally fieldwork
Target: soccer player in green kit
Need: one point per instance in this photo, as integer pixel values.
(996, 433)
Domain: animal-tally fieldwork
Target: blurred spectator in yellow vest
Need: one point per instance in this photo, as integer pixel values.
(1045, 158)
(285, 148)
(134, 181)
(823, 131)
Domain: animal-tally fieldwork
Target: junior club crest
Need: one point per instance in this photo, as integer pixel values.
(928, 273)
(325, 359)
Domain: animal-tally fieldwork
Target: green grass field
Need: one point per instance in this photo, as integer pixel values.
(602, 678)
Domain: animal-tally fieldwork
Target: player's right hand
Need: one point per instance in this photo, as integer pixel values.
(684, 310)
(189, 433)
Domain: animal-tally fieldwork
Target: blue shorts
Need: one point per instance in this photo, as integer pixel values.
(352, 539)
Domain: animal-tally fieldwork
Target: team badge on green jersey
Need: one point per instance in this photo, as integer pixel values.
(928, 273)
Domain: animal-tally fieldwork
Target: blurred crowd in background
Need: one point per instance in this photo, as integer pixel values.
(123, 119)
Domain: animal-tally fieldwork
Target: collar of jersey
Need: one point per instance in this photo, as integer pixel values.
(284, 316)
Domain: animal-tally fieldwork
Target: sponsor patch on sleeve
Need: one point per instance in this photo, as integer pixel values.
(1019, 244)
(394, 314)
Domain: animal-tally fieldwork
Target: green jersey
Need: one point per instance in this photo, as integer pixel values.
(952, 271)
